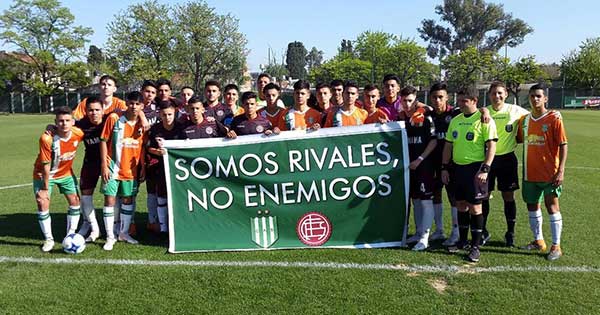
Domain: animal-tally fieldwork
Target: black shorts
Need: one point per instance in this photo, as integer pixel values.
(151, 179)
(422, 181)
(438, 184)
(160, 183)
(89, 176)
(504, 168)
(465, 189)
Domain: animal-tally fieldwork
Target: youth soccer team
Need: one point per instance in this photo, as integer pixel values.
(463, 148)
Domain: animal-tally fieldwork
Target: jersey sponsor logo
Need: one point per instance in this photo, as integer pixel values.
(91, 141)
(508, 128)
(455, 134)
(536, 140)
(227, 121)
(313, 229)
(130, 143)
(208, 130)
(67, 156)
(260, 128)
(470, 136)
(415, 140)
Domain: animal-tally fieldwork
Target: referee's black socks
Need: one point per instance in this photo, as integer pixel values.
(485, 209)
(476, 229)
(464, 218)
(510, 212)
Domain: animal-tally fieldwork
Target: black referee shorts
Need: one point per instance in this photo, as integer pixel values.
(504, 169)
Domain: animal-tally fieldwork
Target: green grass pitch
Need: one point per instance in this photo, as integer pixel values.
(100, 288)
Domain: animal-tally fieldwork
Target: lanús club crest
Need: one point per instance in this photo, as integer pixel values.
(264, 229)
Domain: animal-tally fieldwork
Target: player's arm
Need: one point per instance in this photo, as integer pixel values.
(430, 147)
(490, 152)
(562, 161)
(144, 120)
(142, 165)
(79, 111)
(446, 155)
(485, 115)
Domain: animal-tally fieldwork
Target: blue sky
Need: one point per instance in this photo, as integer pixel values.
(559, 26)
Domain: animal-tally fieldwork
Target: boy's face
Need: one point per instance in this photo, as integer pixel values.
(391, 88)
(250, 106)
(498, 95)
(537, 99)
(149, 93)
(301, 96)
(167, 115)
(134, 106)
(212, 93)
(107, 87)
(196, 111)
(164, 92)
(338, 92)
(64, 123)
(324, 95)
(186, 94)
(261, 83)
(231, 97)
(370, 99)
(271, 97)
(439, 98)
(408, 101)
(464, 102)
(350, 95)
(94, 112)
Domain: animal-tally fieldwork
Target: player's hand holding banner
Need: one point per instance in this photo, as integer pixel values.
(336, 187)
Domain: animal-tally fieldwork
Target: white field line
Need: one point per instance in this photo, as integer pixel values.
(568, 167)
(303, 265)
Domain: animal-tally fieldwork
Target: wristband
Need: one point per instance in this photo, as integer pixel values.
(420, 158)
(484, 168)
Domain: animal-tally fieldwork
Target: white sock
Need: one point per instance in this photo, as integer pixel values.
(428, 214)
(535, 223)
(556, 227)
(89, 213)
(126, 214)
(152, 203)
(162, 214)
(438, 209)
(73, 218)
(418, 214)
(109, 221)
(45, 224)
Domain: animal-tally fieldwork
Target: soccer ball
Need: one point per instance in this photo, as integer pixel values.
(73, 243)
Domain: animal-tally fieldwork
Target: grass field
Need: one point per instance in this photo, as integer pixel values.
(144, 279)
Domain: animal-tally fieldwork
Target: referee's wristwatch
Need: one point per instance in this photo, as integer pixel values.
(484, 168)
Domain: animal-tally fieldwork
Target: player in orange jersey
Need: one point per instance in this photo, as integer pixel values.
(544, 158)
(110, 103)
(370, 98)
(301, 116)
(271, 111)
(121, 152)
(348, 114)
(53, 166)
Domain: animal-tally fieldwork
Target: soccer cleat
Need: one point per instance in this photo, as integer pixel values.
(555, 253)
(474, 255)
(485, 237)
(437, 235)
(452, 239)
(110, 242)
(413, 239)
(459, 246)
(123, 237)
(153, 227)
(538, 245)
(509, 239)
(421, 245)
(92, 237)
(48, 245)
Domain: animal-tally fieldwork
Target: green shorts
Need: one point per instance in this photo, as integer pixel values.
(121, 188)
(66, 185)
(534, 192)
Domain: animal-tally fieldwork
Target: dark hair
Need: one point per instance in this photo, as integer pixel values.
(271, 86)
(212, 83)
(148, 83)
(350, 84)
(370, 87)
(321, 85)
(496, 84)
(134, 96)
(166, 104)
(231, 87)
(263, 75)
(195, 99)
(336, 82)
(438, 86)
(63, 110)
(390, 76)
(539, 86)
(92, 99)
(248, 95)
(301, 84)
(163, 81)
(108, 77)
(408, 90)
(186, 87)
(469, 92)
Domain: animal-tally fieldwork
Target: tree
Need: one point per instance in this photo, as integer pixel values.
(472, 23)
(514, 74)
(142, 40)
(295, 60)
(95, 57)
(45, 32)
(467, 67)
(346, 49)
(277, 71)
(209, 45)
(581, 68)
(314, 58)
(374, 47)
(343, 68)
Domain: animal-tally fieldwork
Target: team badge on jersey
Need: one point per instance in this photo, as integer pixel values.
(448, 119)
(208, 130)
(220, 113)
(470, 136)
(259, 128)
(454, 134)
(508, 128)
(544, 128)
(311, 120)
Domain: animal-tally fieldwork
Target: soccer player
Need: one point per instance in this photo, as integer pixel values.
(110, 103)
(231, 97)
(198, 127)
(53, 167)
(121, 161)
(422, 141)
(544, 158)
(390, 103)
(164, 89)
(261, 82)
(251, 122)
(301, 116)
(370, 98)
(504, 168)
(186, 93)
(167, 129)
(213, 108)
(324, 105)
(271, 111)
(337, 87)
(471, 144)
(349, 114)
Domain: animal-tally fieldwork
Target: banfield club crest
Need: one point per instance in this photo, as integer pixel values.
(264, 229)
(313, 229)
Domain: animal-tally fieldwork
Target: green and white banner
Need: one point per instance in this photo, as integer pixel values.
(336, 187)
